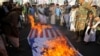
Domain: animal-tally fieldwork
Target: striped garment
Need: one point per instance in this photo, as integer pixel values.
(37, 41)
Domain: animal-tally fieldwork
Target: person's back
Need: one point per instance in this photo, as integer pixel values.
(10, 22)
(10, 26)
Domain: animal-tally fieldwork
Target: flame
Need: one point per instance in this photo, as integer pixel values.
(38, 26)
(54, 47)
(58, 47)
(31, 19)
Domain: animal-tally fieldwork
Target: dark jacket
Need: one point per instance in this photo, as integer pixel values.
(11, 22)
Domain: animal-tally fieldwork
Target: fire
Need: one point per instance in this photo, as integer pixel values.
(58, 47)
(38, 26)
(55, 47)
(31, 19)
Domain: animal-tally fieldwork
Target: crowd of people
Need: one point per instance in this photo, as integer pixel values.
(83, 18)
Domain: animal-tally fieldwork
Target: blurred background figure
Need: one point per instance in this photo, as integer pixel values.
(67, 8)
(81, 16)
(90, 33)
(52, 16)
(58, 14)
(42, 17)
(72, 18)
(96, 26)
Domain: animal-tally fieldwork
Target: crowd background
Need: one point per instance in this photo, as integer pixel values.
(83, 18)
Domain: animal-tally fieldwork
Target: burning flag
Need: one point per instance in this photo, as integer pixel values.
(58, 47)
(46, 40)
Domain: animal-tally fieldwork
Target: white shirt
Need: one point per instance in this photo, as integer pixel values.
(41, 9)
(87, 0)
(72, 15)
(71, 2)
(96, 24)
(97, 2)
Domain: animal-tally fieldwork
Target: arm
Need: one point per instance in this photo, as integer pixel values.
(94, 26)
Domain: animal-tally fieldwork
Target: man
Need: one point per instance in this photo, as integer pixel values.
(72, 18)
(58, 14)
(47, 13)
(10, 26)
(52, 16)
(97, 27)
(67, 14)
(81, 16)
(42, 17)
(31, 10)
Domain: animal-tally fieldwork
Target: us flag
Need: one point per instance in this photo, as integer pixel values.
(47, 32)
(36, 41)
